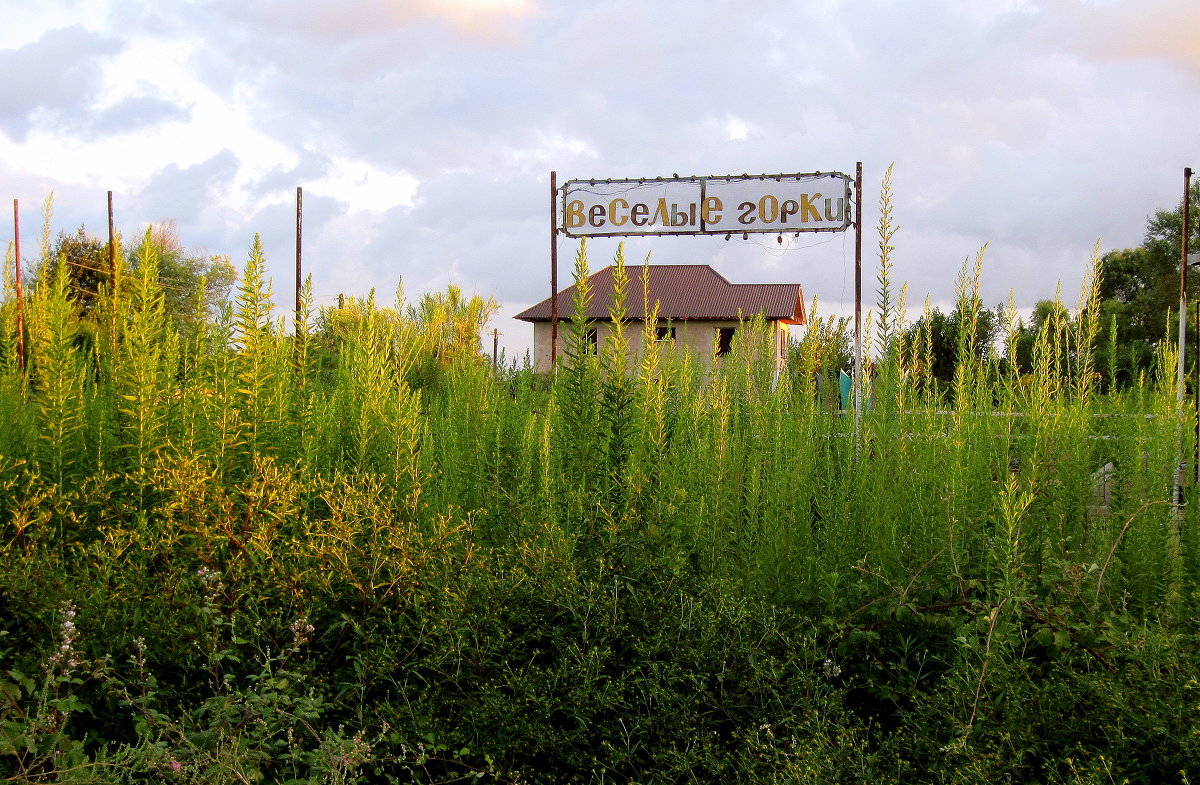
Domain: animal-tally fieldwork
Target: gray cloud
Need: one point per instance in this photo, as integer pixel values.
(1035, 127)
(191, 195)
(1158, 30)
(135, 112)
(310, 167)
(52, 81)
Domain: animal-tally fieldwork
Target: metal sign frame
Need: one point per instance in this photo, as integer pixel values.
(696, 199)
(851, 206)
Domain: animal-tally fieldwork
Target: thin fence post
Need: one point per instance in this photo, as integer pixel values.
(1183, 271)
(20, 285)
(1180, 473)
(858, 358)
(299, 239)
(112, 271)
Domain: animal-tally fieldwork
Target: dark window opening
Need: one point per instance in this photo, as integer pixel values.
(664, 333)
(724, 340)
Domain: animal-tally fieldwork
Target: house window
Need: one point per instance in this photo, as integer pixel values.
(591, 341)
(724, 340)
(664, 333)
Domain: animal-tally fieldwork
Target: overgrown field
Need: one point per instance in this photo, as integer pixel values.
(232, 555)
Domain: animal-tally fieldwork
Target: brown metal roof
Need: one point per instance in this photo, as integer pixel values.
(683, 291)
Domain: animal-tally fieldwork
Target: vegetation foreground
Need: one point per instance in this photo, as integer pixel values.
(361, 554)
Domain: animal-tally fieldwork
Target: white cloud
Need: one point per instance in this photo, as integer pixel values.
(1035, 127)
(737, 129)
(471, 14)
(365, 188)
(25, 23)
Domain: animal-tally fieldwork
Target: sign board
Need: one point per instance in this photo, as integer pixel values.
(724, 205)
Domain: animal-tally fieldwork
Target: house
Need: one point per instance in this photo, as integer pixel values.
(698, 310)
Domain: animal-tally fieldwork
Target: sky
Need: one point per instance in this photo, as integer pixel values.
(424, 132)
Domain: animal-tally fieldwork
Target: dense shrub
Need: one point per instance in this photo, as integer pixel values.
(245, 555)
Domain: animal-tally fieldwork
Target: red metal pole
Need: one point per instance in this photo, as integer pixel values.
(299, 227)
(553, 270)
(20, 290)
(858, 358)
(112, 248)
(112, 269)
(1183, 268)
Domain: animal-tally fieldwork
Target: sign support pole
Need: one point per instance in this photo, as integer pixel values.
(553, 271)
(858, 358)
(694, 206)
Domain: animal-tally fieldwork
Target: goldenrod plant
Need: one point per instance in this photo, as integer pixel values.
(341, 546)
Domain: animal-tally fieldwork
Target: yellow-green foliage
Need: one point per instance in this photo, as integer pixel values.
(356, 544)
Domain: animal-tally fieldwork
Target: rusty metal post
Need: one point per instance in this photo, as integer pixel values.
(553, 271)
(858, 358)
(1180, 473)
(1183, 268)
(495, 347)
(20, 290)
(112, 271)
(299, 235)
(112, 247)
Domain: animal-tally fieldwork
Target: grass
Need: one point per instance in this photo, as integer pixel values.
(356, 553)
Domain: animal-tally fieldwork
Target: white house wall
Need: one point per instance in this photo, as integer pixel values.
(697, 336)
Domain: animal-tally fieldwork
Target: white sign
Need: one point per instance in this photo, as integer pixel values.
(818, 202)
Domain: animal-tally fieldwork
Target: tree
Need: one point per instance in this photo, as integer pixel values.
(1020, 352)
(194, 285)
(441, 328)
(943, 332)
(826, 347)
(1139, 287)
(86, 260)
(451, 323)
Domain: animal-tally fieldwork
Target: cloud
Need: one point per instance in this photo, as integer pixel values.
(495, 22)
(191, 194)
(1161, 30)
(423, 131)
(486, 19)
(310, 166)
(53, 81)
(135, 112)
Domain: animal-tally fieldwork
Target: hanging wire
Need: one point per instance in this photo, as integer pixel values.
(83, 266)
(845, 267)
(779, 249)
